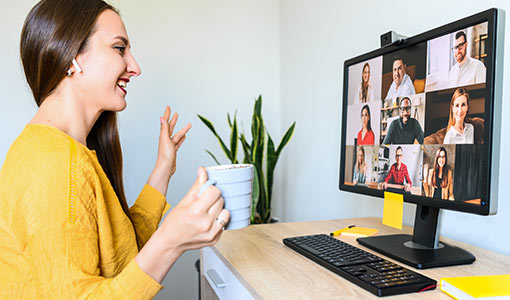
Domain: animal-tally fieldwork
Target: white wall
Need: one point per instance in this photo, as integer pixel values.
(315, 39)
(198, 56)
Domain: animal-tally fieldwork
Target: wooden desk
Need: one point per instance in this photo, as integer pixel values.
(269, 270)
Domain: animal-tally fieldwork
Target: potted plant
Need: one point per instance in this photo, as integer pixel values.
(260, 152)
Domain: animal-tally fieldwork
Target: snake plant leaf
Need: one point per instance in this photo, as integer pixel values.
(255, 133)
(246, 149)
(258, 106)
(262, 204)
(285, 140)
(211, 127)
(233, 141)
(270, 166)
(212, 155)
(255, 128)
(228, 119)
(254, 195)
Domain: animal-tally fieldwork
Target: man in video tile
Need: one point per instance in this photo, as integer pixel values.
(397, 174)
(402, 84)
(467, 70)
(404, 130)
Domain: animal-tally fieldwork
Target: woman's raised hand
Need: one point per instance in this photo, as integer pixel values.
(169, 144)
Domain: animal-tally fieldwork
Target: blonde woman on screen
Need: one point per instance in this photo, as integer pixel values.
(360, 168)
(66, 231)
(458, 131)
(365, 90)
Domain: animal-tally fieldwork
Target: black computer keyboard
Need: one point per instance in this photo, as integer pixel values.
(376, 275)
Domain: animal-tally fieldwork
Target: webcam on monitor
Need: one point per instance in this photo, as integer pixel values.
(391, 37)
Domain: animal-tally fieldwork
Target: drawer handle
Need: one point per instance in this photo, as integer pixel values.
(216, 279)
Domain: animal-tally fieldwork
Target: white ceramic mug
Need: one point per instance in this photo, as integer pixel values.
(235, 184)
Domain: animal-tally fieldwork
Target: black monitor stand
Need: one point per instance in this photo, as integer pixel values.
(421, 250)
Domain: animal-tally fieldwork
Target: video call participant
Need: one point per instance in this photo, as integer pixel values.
(467, 70)
(398, 173)
(402, 84)
(360, 168)
(404, 130)
(365, 90)
(439, 182)
(365, 135)
(458, 131)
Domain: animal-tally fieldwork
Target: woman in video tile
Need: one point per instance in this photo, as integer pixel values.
(366, 135)
(365, 90)
(458, 131)
(360, 168)
(439, 183)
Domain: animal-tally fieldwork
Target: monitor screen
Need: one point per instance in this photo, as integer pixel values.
(418, 117)
(422, 118)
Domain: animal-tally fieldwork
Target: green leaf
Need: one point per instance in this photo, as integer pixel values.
(285, 140)
(212, 155)
(258, 106)
(211, 127)
(254, 195)
(228, 119)
(246, 149)
(270, 167)
(233, 141)
(255, 134)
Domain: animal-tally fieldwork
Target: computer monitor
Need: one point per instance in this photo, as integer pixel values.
(422, 117)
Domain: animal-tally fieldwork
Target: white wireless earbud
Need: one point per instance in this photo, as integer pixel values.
(77, 66)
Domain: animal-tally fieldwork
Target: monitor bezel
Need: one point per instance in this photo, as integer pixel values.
(490, 16)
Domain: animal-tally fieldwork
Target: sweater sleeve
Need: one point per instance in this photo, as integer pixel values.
(62, 236)
(147, 212)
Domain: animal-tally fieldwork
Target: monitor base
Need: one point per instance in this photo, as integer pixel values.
(400, 247)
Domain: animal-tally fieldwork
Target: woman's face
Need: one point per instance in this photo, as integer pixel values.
(441, 158)
(107, 65)
(459, 109)
(361, 156)
(364, 118)
(366, 73)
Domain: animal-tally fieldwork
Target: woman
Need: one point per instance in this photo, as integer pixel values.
(365, 90)
(439, 183)
(458, 131)
(66, 231)
(365, 135)
(360, 168)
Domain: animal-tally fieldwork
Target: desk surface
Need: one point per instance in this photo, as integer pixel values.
(270, 270)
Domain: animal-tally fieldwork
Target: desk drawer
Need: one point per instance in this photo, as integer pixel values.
(222, 280)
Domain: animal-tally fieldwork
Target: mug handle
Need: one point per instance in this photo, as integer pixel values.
(207, 184)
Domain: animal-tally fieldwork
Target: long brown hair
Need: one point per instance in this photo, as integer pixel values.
(364, 85)
(363, 163)
(458, 92)
(444, 174)
(55, 32)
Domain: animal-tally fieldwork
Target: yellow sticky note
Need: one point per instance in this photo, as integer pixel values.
(393, 209)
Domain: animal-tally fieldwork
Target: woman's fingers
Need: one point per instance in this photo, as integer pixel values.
(180, 143)
(172, 123)
(222, 220)
(166, 115)
(210, 196)
(216, 207)
(181, 133)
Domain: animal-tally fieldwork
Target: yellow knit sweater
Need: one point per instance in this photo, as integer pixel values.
(63, 234)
